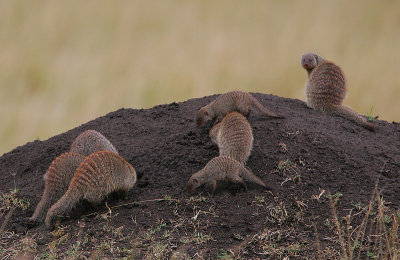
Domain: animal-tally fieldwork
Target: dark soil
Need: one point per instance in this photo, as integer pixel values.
(298, 157)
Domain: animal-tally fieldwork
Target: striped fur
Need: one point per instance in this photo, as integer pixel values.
(326, 89)
(238, 101)
(57, 179)
(91, 141)
(97, 176)
(222, 168)
(233, 136)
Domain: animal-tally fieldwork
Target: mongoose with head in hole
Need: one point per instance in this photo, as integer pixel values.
(222, 168)
(100, 174)
(238, 101)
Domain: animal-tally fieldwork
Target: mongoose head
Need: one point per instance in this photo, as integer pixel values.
(214, 133)
(310, 61)
(193, 183)
(203, 116)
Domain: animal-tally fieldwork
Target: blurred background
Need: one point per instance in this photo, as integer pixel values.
(63, 63)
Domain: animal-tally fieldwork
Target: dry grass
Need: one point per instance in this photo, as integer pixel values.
(63, 63)
(377, 237)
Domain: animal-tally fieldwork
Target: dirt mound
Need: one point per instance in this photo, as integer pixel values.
(303, 158)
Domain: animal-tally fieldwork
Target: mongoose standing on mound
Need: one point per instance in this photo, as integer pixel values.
(238, 101)
(233, 136)
(100, 174)
(326, 89)
(91, 141)
(57, 179)
(222, 168)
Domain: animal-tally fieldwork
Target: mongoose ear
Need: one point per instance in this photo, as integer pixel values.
(206, 113)
(318, 59)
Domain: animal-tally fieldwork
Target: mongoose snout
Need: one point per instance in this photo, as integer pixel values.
(310, 60)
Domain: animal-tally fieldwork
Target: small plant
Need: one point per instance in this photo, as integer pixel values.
(284, 165)
(159, 251)
(278, 214)
(200, 238)
(369, 115)
(197, 238)
(238, 237)
(259, 201)
(223, 255)
(297, 178)
(283, 147)
(197, 198)
(334, 197)
(10, 200)
(357, 206)
(327, 223)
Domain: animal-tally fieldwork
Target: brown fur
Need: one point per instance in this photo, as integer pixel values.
(222, 168)
(233, 136)
(91, 141)
(326, 89)
(57, 178)
(238, 101)
(97, 176)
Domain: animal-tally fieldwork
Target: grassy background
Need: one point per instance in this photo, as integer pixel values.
(63, 63)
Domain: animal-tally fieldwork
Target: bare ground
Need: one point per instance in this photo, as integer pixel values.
(310, 160)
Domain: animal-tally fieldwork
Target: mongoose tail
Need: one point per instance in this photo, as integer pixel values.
(352, 115)
(261, 109)
(63, 205)
(249, 176)
(40, 211)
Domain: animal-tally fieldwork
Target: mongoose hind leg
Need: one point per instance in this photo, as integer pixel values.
(94, 198)
(239, 180)
(122, 194)
(214, 186)
(31, 223)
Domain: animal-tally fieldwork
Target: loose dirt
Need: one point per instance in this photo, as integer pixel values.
(303, 158)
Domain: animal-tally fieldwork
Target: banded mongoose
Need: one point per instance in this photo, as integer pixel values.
(326, 89)
(57, 179)
(238, 101)
(222, 168)
(100, 174)
(91, 141)
(233, 136)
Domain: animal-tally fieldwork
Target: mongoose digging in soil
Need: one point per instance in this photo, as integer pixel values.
(97, 176)
(222, 168)
(238, 101)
